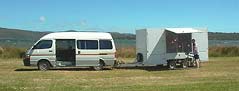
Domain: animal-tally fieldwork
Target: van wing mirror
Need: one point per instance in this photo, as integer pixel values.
(34, 47)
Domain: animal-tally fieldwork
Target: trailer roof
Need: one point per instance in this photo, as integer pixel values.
(183, 30)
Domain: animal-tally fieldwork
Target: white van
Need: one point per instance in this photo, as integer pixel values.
(72, 49)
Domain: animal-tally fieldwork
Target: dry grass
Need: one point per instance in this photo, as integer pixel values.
(219, 74)
(11, 52)
(224, 51)
(214, 51)
(129, 52)
(126, 52)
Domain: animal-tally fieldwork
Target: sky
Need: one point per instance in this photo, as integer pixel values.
(123, 16)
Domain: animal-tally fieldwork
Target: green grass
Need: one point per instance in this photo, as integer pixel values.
(219, 74)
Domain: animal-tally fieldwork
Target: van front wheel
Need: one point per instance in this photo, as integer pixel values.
(43, 66)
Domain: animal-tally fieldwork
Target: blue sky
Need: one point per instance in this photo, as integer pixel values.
(119, 15)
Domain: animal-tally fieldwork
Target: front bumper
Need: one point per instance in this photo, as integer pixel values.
(26, 62)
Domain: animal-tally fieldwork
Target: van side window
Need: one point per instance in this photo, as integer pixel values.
(43, 44)
(105, 44)
(87, 44)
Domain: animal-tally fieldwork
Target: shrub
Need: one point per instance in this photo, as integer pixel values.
(128, 52)
(12, 52)
(223, 51)
(125, 52)
(214, 51)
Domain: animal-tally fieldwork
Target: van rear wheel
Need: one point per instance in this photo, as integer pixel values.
(99, 67)
(43, 66)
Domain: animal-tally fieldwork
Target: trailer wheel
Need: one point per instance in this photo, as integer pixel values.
(194, 64)
(139, 57)
(172, 64)
(184, 64)
(43, 65)
(99, 67)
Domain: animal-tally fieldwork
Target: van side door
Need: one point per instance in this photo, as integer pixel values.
(65, 52)
(87, 53)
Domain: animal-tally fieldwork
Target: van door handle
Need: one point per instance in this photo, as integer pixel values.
(50, 50)
(78, 52)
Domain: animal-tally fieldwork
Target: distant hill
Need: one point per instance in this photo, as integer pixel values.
(20, 34)
(128, 36)
(24, 38)
(223, 36)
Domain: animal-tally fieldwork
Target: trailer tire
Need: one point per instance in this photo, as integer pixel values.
(194, 64)
(172, 64)
(184, 64)
(139, 57)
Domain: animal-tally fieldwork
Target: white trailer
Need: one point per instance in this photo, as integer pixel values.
(169, 46)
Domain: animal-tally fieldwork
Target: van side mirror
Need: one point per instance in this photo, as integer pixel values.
(34, 47)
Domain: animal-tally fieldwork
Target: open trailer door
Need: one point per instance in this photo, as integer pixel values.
(202, 41)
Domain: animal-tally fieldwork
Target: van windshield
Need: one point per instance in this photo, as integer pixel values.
(43, 44)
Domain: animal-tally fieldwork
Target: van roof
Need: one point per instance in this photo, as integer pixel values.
(78, 35)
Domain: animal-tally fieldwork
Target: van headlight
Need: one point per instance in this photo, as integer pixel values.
(27, 56)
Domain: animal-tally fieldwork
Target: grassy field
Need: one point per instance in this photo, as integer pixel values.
(219, 74)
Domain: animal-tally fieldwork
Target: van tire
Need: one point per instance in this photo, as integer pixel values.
(99, 67)
(43, 65)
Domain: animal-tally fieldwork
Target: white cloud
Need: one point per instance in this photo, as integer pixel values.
(83, 23)
(42, 18)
